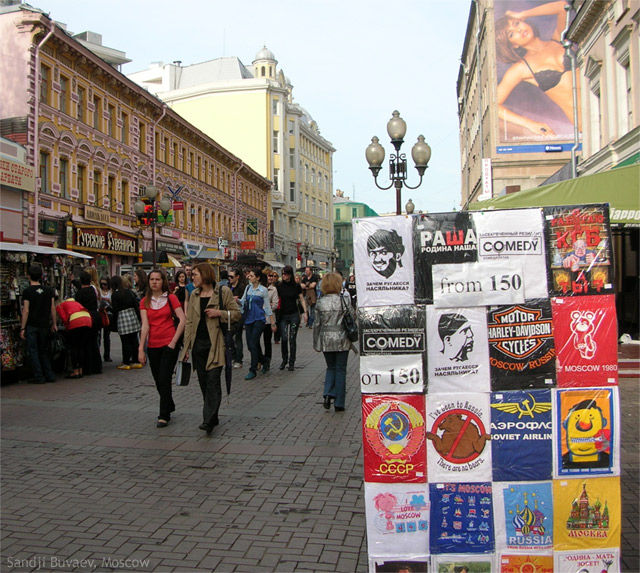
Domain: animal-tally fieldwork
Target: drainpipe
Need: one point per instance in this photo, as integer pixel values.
(36, 131)
(566, 43)
(235, 204)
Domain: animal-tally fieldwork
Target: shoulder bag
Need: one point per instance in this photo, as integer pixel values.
(348, 322)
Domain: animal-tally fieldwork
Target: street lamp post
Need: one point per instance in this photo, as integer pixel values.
(147, 212)
(306, 250)
(421, 153)
(333, 255)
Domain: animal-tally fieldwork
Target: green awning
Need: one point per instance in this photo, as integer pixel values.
(618, 187)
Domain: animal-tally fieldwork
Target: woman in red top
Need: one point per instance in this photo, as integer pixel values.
(77, 330)
(160, 335)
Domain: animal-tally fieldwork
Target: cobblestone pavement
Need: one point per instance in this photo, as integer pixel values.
(89, 483)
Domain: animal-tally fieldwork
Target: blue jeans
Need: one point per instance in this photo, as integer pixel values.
(336, 376)
(289, 324)
(254, 332)
(37, 344)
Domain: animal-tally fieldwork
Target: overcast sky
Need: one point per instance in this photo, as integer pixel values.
(351, 62)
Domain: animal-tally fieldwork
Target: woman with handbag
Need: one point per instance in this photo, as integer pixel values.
(330, 338)
(159, 336)
(106, 314)
(126, 316)
(256, 311)
(209, 306)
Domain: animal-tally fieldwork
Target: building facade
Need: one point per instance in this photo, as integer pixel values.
(521, 125)
(250, 110)
(513, 135)
(95, 140)
(345, 210)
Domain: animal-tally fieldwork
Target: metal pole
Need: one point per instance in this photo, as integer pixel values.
(153, 242)
(398, 196)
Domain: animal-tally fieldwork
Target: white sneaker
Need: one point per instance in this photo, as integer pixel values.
(237, 364)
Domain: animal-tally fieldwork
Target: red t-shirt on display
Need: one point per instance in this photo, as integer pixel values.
(161, 326)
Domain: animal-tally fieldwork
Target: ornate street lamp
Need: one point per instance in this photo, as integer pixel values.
(333, 256)
(421, 154)
(306, 250)
(147, 208)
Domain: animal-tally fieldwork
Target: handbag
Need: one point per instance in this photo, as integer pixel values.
(348, 322)
(104, 317)
(183, 373)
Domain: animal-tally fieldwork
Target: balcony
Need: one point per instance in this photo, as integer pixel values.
(277, 199)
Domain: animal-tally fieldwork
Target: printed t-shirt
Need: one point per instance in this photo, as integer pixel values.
(39, 298)
(161, 326)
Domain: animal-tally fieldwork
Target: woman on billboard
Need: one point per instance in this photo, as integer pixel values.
(543, 63)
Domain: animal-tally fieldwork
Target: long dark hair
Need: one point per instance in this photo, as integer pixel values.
(165, 286)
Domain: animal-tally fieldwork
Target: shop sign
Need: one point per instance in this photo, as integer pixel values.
(95, 214)
(48, 227)
(252, 226)
(178, 206)
(237, 236)
(103, 239)
(222, 243)
(169, 247)
(192, 249)
(17, 175)
(247, 245)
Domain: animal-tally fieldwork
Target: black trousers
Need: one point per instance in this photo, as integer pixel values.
(129, 347)
(162, 362)
(209, 381)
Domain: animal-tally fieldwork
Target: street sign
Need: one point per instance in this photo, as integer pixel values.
(247, 245)
(252, 226)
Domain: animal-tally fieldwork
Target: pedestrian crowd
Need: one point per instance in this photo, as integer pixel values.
(193, 319)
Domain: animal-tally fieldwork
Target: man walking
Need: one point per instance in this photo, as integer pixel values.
(308, 282)
(38, 317)
(237, 286)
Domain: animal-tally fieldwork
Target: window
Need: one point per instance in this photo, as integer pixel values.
(97, 113)
(165, 153)
(44, 172)
(142, 137)
(124, 133)
(276, 177)
(337, 214)
(111, 120)
(274, 106)
(338, 234)
(63, 104)
(125, 197)
(292, 191)
(292, 157)
(275, 141)
(354, 211)
(292, 127)
(97, 176)
(111, 190)
(82, 103)
(82, 174)
(64, 172)
(45, 78)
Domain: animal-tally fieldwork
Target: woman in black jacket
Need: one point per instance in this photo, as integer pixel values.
(126, 315)
(88, 298)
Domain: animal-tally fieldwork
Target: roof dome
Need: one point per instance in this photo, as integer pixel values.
(265, 54)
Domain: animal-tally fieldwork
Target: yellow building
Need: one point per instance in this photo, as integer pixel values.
(251, 112)
(96, 140)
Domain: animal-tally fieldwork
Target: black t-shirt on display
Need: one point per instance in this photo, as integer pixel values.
(288, 293)
(39, 298)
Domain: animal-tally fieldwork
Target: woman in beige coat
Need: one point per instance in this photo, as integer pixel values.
(203, 338)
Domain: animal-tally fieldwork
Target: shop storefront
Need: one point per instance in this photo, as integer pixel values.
(111, 248)
(57, 265)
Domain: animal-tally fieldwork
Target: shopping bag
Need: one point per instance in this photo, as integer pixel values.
(183, 373)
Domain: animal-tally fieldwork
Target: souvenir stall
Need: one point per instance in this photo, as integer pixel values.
(57, 265)
(489, 380)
